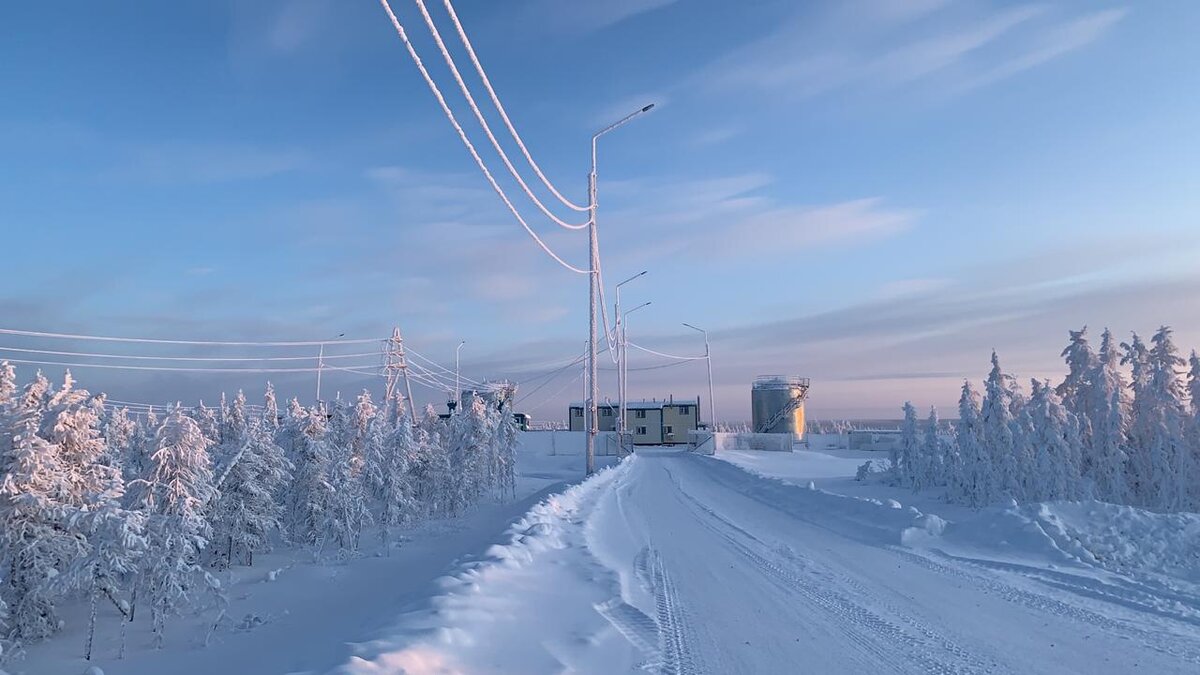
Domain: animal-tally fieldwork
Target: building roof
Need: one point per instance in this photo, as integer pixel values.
(644, 405)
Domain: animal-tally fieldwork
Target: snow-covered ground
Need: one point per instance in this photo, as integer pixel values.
(692, 564)
(747, 562)
(289, 614)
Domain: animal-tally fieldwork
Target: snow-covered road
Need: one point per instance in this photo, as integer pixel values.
(692, 565)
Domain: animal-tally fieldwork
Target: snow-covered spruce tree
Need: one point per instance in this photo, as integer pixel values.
(120, 431)
(247, 510)
(390, 454)
(1169, 452)
(8, 403)
(364, 413)
(270, 414)
(997, 434)
(235, 423)
(347, 511)
(73, 423)
(311, 493)
(1055, 441)
(910, 446)
(210, 426)
(471, 440)
(926, 469)
(1075, 390)
(1141, 422)
(430, 467)
(1081, 364)
(136, 461)
(36, 545)
(1108, 410)
(974, 483)
(173, 495)
(508, 437)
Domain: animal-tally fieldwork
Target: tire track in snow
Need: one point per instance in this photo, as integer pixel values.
(676, 639)
(1172, 644)
(874, 634)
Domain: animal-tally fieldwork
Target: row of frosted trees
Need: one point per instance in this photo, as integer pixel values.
(134, 511)
(1122, 427)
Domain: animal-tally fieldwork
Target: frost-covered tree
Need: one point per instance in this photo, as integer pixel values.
(346, 513)
(1172, 459)
(174, 495)
(234, 421)
(432, 470)
(929, 460)
(210, 425)
(909, 448)
(36, 545)
(391, 454)
(270, 414)
(73, 425)
(1056, 444)
(120, 431)
(247, 511)
(1081, 363)
(470, 445)
(1141, 421)
(8, 402)
(974, 483)
(365, 412)
(311, 492)
(998, 433)
(1108, 410)
(508, 437)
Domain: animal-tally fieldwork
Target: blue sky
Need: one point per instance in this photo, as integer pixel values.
(871, 193)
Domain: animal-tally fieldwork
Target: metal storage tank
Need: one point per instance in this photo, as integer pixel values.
(777, 404)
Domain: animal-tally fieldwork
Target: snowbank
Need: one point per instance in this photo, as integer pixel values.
(1118, 538)
(488, 597)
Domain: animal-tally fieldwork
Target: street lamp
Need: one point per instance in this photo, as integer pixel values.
(712, 404)
(623, 366)
(321, 364)
(621, 354)
(593, 292)
(457, 388)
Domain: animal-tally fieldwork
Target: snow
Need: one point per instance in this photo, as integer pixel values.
(683, 563)
(290, 613)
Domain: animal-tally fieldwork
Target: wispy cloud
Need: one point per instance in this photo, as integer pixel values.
(582, 17)
(951, 47)
(181, 162)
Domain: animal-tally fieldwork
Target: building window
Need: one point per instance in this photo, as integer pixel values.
(685, 410)
(640, 431)
(640, 414)
(606, 412)
(668, 430)
(577, 412)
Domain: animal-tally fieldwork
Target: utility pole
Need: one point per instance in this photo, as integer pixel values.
(712, 404)
(395, 366)
(457, 387)
(593, 294)
(623, 366)
(621, 354)
(321, 365)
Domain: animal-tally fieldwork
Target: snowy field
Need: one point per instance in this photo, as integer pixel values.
(755, 562)
(291, 614)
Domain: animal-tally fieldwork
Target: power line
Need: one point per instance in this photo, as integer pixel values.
(109, 366)
(412, 52)
(437, 38)
(30, 333)
(669, 356)
(183, 358)
(462, 34)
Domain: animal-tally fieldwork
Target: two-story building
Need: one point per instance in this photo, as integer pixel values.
(653, 422)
